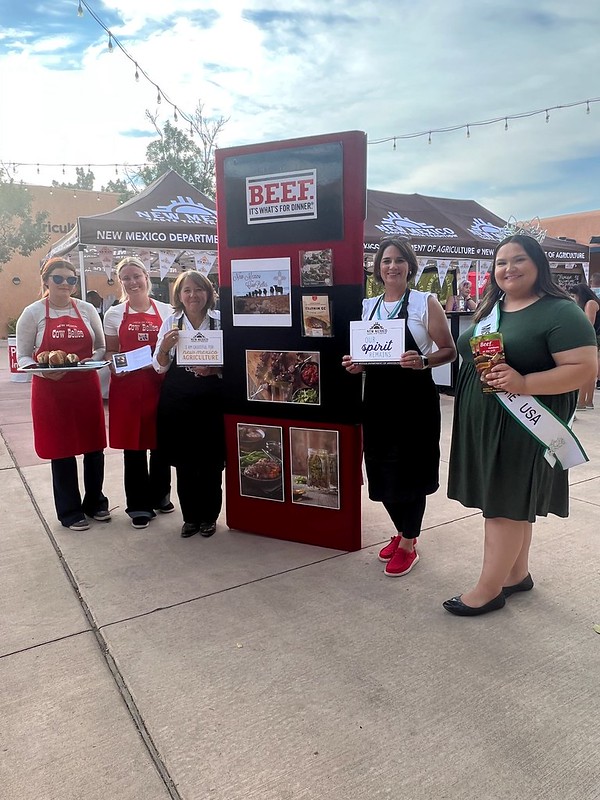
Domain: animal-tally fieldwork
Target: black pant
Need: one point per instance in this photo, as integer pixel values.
(65, 485)
(407, 516)
(146, 486)
(200, 491)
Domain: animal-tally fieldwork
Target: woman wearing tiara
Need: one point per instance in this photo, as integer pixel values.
(394, 394)
(510, 449)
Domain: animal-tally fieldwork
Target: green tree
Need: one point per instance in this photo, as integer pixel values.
(85, 180)
(122, 188)
(20, 230)
(175, 149)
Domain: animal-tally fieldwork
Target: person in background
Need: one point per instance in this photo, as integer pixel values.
(191, 434)
(595, 283)
(66, 406)
(94, 298)
(496, 463)
(133, 396)
(403, 469)
(590, 304)
(463, 301)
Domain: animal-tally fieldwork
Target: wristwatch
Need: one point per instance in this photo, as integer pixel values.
(425, 362)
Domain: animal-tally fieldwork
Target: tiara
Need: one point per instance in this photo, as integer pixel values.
(531, 228)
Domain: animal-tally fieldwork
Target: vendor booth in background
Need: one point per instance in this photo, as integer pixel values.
(455, 239)
(171, 226)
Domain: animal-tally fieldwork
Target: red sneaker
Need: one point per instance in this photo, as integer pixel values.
(390, 549)
(401, 563)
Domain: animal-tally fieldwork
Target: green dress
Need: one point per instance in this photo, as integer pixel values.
(494, 464)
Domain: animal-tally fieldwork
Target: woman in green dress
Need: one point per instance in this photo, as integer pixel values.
(496, 464)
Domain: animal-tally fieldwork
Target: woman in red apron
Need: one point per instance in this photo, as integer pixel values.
(133, 396)
(66, 407)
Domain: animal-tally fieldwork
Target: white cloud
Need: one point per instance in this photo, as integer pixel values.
(306, 67)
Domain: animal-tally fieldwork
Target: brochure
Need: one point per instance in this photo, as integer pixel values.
(133, 359)
(316, 315)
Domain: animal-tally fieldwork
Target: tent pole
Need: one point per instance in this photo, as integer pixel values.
(82, 271)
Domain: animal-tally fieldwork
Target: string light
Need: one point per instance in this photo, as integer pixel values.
(394, 147)
(113, 42)
(480, 123)
(587, 110)
(175, 117)
(468, 133)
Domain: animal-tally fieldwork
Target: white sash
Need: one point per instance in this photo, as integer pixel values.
(558, 440)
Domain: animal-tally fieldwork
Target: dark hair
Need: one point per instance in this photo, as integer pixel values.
(200, 280)
(543, 283)
(405, 250)
(583, 294)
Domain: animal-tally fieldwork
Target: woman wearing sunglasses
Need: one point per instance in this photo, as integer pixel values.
(66, 406)
(133, 396)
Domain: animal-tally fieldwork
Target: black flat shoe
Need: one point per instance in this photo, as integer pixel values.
(456, 606)
(189, 529)
(526, 585)
(207, 528)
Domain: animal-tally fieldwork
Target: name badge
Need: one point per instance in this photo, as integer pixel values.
(377, 341)
(200, 348)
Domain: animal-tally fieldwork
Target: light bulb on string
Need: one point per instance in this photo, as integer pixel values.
(116, 170)
(587, 110)
(158, 97)
(110, 43)
(468, 133)
(505, 123)
(80, 9)
(63, 169)
(429, 139)
(547, 116)
(38, 169)
(137, 74)
(394, 146)
(191, 130)
(175, 117)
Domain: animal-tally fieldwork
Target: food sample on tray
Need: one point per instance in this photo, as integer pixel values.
(488, 350)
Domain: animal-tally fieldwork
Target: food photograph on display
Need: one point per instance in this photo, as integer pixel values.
(260, 291)
(283, 377)
(260, 461)
(316, 315)
(315, 478)
(316, 267)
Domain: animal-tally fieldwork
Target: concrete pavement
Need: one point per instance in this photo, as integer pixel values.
(136, 664)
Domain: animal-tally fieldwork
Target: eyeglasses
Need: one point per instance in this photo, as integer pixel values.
(58, 279)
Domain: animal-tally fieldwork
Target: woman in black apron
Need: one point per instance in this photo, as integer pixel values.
(401, 419)
(191, 434)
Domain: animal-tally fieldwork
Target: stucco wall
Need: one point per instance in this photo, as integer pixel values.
(63, 206)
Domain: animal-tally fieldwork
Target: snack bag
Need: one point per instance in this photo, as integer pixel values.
(488, 350)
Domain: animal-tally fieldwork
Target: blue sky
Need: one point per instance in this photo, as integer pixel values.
(388, 67)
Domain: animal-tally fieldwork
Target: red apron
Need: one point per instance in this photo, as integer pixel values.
(68, 414)
(133, 397)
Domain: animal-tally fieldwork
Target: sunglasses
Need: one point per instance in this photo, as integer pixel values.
(58, 279)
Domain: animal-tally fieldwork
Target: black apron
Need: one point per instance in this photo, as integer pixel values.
(190, 425)
(401, 427)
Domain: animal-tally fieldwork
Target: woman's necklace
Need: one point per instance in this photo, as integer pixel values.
(395, 307)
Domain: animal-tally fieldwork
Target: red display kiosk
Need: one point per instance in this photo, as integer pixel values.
(290, 228)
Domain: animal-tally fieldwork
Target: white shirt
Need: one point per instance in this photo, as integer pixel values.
(32, 324)
(114, 316)
(418, 318)
(173, 321)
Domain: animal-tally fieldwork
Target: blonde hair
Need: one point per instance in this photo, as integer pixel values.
(49, 267)
(136, 262)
